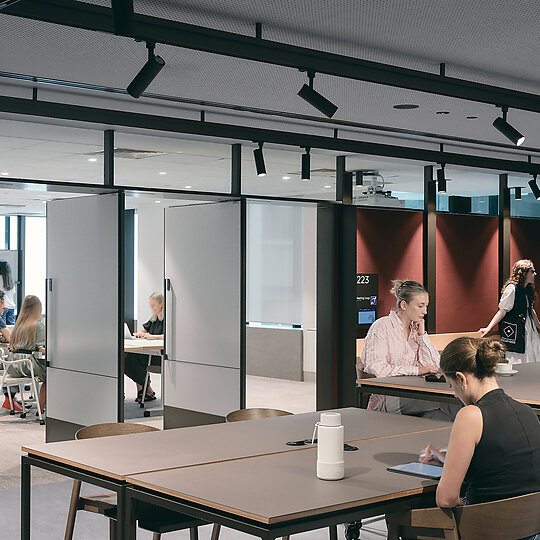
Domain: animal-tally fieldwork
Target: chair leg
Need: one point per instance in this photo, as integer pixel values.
(332, 531)
(112, 529)
(215, 531)
(193, 533)
(70, 525)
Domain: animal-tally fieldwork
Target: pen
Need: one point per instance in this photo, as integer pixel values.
(434, 454)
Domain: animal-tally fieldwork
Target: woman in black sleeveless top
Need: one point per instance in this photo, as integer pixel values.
(495, 442)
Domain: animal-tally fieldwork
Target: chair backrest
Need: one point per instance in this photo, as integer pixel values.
(442, 340)
(253, 414)
(110, 429)
(507, 519)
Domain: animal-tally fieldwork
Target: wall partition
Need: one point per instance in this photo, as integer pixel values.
(204, 367)
(84, 313)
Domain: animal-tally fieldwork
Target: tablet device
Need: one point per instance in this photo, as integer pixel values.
(418, 469)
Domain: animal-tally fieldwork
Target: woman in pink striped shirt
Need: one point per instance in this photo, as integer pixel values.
(398, 345)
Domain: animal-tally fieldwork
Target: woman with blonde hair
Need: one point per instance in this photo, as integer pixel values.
(135, 364)
(28, 335)
(399, 345)
(518, 322)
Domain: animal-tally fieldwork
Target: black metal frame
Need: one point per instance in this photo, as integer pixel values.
(97, 18)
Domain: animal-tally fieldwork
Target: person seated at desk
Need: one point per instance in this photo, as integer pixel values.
(399, 345)
(135, 364)
(28, 336)
(495, 440)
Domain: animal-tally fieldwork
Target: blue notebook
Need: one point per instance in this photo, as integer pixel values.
(418, 469)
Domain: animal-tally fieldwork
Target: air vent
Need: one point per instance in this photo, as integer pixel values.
(129, 153)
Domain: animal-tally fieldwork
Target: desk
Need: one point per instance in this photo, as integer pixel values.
(524, 386)
(277, 495)
(150, 346)
(109, 461)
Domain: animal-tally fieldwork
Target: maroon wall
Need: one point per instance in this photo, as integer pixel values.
(389, 242)
(467, 271)
(525, 244)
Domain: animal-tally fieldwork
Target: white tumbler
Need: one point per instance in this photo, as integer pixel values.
(330, 462)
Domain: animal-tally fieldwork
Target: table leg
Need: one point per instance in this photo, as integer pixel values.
(125, 514)
(25, 499)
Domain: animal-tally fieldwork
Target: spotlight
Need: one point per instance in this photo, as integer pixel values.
(441, 180)
(307, 93)
(359, 178)
(148, 73)
(534, 187)
(507, 130)
(259, 160)
(517, 193)
(306, 165)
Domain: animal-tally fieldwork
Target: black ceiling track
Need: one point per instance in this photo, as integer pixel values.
(98, 18)
(241, 133)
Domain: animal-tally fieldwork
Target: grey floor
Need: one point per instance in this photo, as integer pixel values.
(51, 493)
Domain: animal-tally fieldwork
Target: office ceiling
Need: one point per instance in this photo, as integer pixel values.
(492, 42)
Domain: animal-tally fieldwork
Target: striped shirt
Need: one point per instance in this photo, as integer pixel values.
(386, 352)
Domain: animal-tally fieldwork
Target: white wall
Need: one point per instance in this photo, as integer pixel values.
(150, 257)
(309, 300)
(274, 263)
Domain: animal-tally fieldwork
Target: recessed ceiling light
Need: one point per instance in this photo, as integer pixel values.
(442, 112)
(285, 177)
(157, 201)
(92, 159)
(187, 187)
(471, 117)
(162, 172)
(4, 174)
(327, 187)
(405, 106)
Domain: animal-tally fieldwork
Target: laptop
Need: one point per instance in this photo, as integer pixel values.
(128, 334)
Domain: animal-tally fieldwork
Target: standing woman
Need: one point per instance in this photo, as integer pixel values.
(8, 286)
(398, 345)
(518, 322)
(28, 335)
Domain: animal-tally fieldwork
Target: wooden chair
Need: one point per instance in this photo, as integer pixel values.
(254, 414)
(507, 519)
(150, 517)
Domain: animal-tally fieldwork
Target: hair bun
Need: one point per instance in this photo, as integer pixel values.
(397, 283)
(489, 353)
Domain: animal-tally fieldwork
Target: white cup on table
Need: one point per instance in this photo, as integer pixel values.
(504, 367)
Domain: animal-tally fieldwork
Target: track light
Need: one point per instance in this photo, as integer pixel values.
(517, 194)
(507, 130)
(359, 178)
(306, 165)
(534, 187)
(259, 160)
(441, 180)
(148, 73)
(315, 99)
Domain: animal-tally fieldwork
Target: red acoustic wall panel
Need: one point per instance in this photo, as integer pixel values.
(467, 271)
(389, 242)
(525, 244)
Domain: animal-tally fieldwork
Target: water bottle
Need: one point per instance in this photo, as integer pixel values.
(330, 462)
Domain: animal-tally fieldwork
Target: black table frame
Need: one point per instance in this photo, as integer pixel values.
(273, 531)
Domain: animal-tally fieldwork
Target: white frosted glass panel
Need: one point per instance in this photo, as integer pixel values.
(35, 258)
(81, 398)
(275, 263)
(82, 261)
(202, 261)
(207, 389)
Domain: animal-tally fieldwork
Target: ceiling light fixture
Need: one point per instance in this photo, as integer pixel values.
(534, 187)
(306, 165)
(148, 73)
(92, 159)
(285, 177)
(517, 193)
(307, 93)
(259, 160)
(157, 202)
(359, 178)
(187, 187)
(162, 172)
(327, 187)
(4, 174)
(511, 133)
(441, 180)
(405, 106)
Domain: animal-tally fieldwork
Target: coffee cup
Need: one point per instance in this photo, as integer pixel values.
(504, 367)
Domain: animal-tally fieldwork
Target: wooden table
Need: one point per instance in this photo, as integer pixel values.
(109, 462)
(277, 495)
(524, 386)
